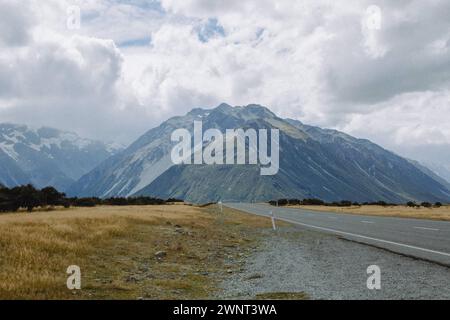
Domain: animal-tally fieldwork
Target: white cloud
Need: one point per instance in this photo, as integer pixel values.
(416, 125)
(66, 79)
(135, 63)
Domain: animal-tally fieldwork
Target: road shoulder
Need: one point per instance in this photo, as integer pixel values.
(321, 266)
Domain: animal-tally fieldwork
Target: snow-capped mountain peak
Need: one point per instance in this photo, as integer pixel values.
(47, 156)
(314, 162)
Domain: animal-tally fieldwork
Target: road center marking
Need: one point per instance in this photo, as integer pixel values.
(371, 222)
(356, 235)
(368, 238)
(423, 228)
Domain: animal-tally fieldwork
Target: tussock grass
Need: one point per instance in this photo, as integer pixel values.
(115, 248)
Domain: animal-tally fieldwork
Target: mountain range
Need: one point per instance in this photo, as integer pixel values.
(314, 163)
(47, 157)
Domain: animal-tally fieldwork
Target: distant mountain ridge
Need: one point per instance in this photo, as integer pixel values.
(314, 162)
(47, 156)
(443, 171)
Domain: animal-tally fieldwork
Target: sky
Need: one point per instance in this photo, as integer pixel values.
(375, 69)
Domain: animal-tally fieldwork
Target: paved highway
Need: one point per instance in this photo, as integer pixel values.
(424, 239)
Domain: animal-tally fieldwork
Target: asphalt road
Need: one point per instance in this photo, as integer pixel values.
(424, 239)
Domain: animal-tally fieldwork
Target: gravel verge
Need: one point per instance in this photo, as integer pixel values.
(323, 266)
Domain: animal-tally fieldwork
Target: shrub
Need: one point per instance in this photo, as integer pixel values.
(174, 200)
(313, 202)
(426, 204)
(85, 202)
(28, 197)
(411, 204)
(345, 203)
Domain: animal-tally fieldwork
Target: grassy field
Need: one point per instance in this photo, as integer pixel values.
(115, 248)
(442, 213)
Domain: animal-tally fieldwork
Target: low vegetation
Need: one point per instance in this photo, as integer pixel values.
(124, 252)
(28, 198)
(347, 203)
(425, 210)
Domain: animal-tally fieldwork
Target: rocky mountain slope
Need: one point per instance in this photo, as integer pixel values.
(314, 162)
(47, 156)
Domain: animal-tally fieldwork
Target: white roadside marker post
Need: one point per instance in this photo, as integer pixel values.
(221, 206)
(273, 221)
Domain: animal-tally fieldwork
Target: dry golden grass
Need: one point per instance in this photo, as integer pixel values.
(115, 248)
(442, 213)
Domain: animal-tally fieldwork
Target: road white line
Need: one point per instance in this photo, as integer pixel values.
(358, 235)
(370, 222)
(423, 228)
(368, 238)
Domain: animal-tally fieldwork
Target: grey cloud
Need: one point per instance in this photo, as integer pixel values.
(86, 68)
(73, 86)
(15, 23)
(311, 62)
(407, 66)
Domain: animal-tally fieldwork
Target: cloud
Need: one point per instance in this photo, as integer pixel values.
(15, 21)
(77, 68)
(135, 63)
(359, 66)
(416, 125)
(406, 63)
(66, 80)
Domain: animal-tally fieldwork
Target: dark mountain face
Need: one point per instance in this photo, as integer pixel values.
(10, 172)
(314, 162)
(46, 156)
